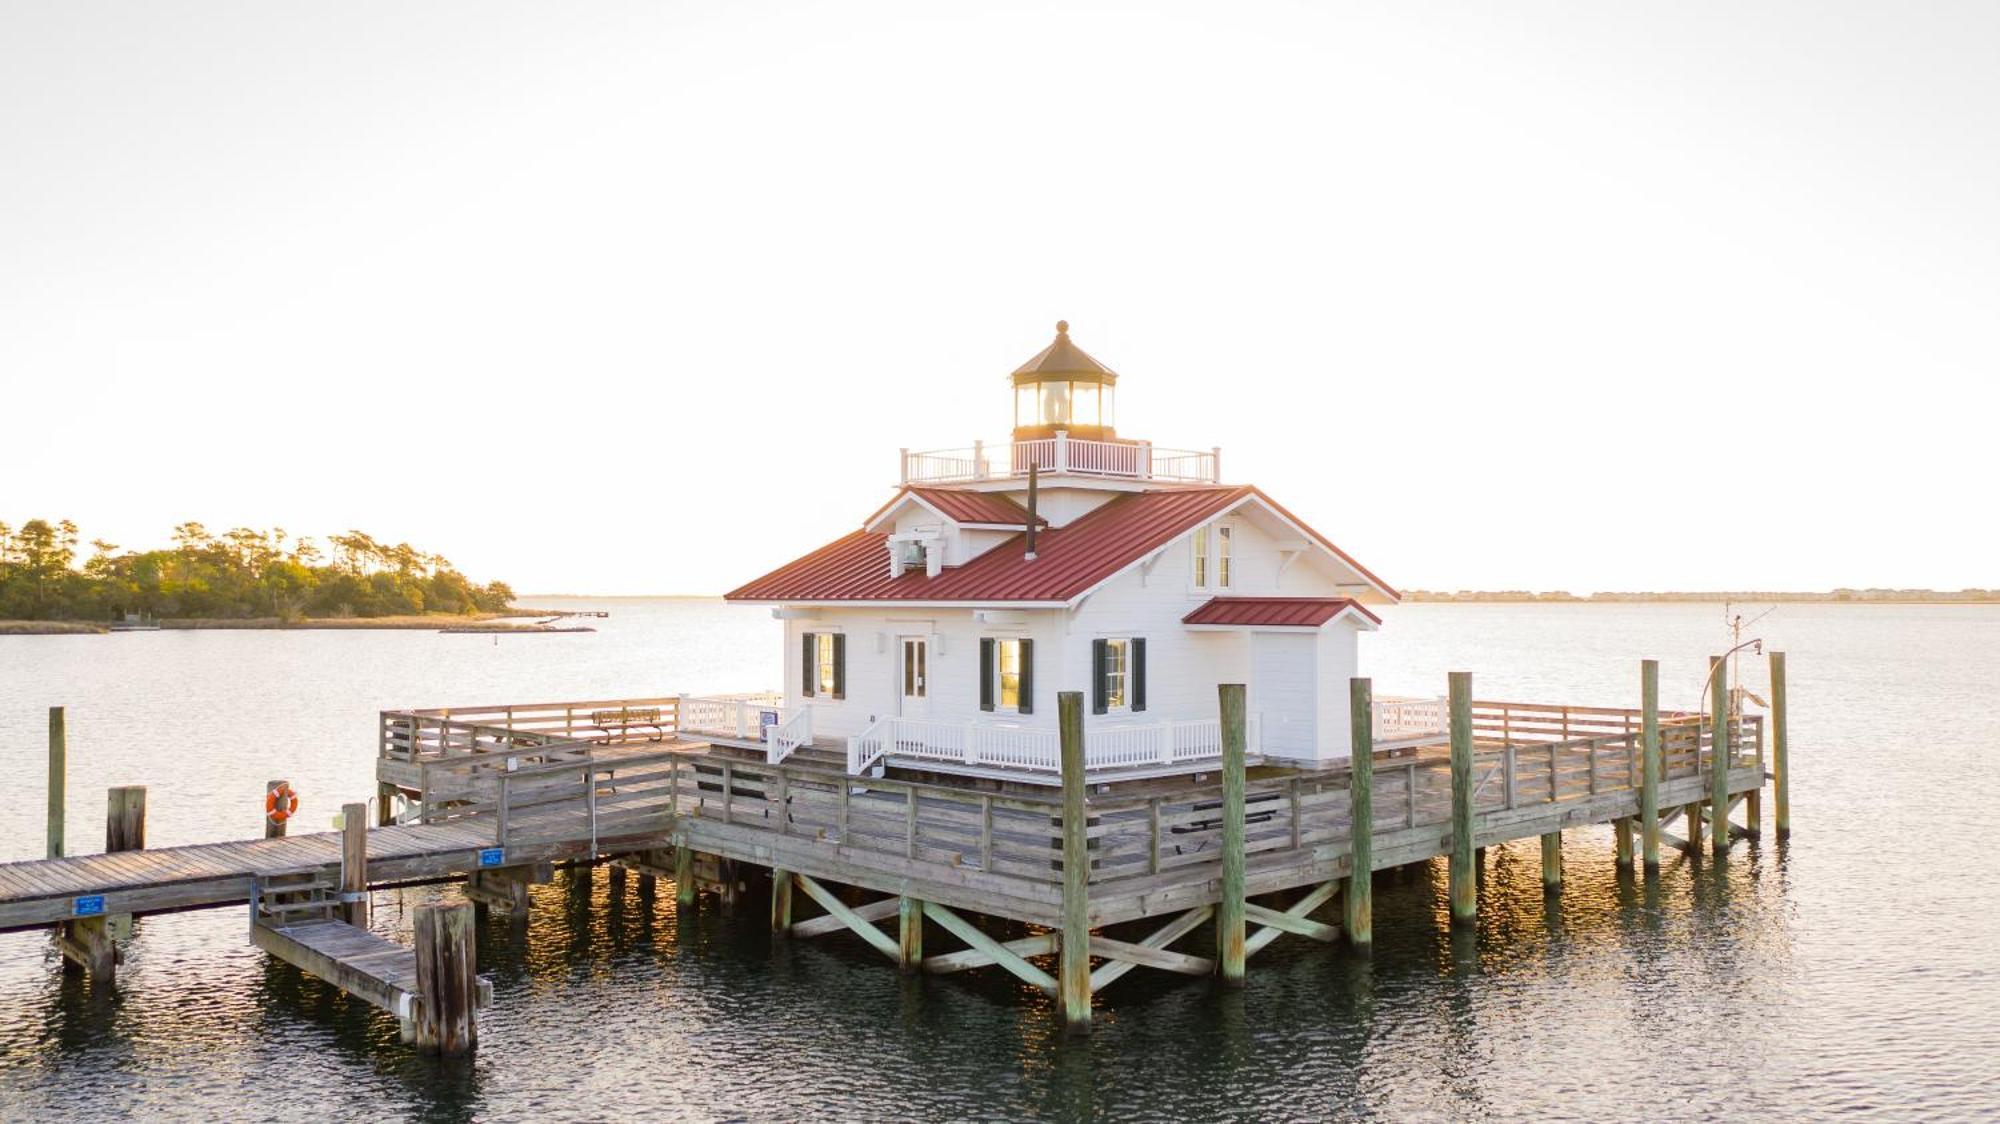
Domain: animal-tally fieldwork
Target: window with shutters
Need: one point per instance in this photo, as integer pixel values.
(1118, 675)
(1006, 675)
(823, 665)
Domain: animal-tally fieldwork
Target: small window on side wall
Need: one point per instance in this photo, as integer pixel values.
(1118, 675)
(823, 665)
(1007, 675)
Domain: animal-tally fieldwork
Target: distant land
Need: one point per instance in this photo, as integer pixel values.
(1746, 596)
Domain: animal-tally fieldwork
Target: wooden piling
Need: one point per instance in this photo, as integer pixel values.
(1552, 860)
(1464, 875)
(1718, 769)
(58, 778)
(781, 902)
(385, 804)
(1229, 914)
(125, 819)
(1073, 972)
(1649, 750)
(1694, 817)
(1359, 901)
(273, 829)
(354, 865)
(1781, 772)
(446, 1015)
(683, 874)
(1621, 841)
(910, 934)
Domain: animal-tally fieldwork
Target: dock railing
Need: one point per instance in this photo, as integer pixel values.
(418, 735)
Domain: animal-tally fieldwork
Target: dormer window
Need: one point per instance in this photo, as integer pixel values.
(1212, 546)
(916, 552)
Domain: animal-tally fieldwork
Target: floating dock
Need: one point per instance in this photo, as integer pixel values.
(1104, 878)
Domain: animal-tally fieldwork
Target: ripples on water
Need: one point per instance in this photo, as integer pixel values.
(1851, 971)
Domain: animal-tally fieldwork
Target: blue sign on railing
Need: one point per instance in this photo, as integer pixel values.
(92, 906)
(492, 856)
(767, 718)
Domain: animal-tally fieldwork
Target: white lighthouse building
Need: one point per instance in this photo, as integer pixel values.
(1068, 558)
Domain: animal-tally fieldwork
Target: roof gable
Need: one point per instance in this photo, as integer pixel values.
(975, 509)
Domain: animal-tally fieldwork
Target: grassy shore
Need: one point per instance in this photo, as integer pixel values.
(423, 622)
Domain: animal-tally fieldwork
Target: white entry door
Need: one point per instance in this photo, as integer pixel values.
(914, 692)
(1283, 695)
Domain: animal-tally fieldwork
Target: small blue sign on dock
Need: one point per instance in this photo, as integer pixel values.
(91, 906)
(492, 856)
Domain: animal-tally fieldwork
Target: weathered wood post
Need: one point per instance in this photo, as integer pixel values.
(1649, 765)
(683, 874)
(385, 804)
(58, 779)
(1230, 926)
(1552, 860)
(1360, 897)
(1718, 769)
(354, 864)
(273, 829)
(1073, 984)
(125, 819)
(1464, 875)
(1621, 840)
(910, 934)
(446, 1016)
(1781, 769)
(781, 902)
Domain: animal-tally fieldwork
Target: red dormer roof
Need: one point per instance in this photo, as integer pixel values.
(962, 507)
(1070, 561)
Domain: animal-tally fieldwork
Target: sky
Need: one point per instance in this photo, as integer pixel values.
(645, 297)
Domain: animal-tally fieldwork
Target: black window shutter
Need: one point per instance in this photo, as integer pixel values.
(809, 665)
(1027, 677)
(840, 665)
(1138, 674)
(1098, 688)
(986, 675)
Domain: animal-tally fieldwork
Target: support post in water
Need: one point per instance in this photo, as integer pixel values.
(683, 874)
(1649, 764)
(273, 828)
(1464, 876)
(125, 819)
(1230, 919)
(447, 1019)
(354, 865)
(58, 778)
(910, 934)
(1359, 900)
(1621, 838)
(1718, 767)
(1073, 970)
(1781, 769)
(1552, 860)
(781, 902)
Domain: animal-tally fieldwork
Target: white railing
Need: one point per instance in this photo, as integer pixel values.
(1120, 747)
(786, 736)
(1130, 460)
(741, 716)
(1398, 718)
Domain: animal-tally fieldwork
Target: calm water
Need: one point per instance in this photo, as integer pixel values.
(1853, 971)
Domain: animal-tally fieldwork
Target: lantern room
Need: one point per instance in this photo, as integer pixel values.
(1063, 389)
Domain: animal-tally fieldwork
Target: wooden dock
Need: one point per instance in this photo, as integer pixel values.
(1105, 878)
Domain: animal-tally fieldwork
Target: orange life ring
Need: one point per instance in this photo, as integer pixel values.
(281, 803)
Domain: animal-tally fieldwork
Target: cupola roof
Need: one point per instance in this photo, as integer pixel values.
(1063, 359)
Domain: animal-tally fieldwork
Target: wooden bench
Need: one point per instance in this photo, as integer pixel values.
(625, 718)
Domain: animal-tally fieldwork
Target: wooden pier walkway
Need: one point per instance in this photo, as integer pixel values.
(1105, 877)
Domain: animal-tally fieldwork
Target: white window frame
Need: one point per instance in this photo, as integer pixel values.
(823, 669)
(1122, 645)
(1000, 646)
(1213, 546)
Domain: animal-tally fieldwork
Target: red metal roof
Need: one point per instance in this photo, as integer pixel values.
(962, 506)
(1070, 561)
(1274, 612)
(975, 507)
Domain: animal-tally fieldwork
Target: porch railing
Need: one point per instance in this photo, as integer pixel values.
(1131, 460)
(1135, 746)
(742, 716)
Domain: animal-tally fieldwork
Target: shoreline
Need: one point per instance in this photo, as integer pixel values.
(484, 622)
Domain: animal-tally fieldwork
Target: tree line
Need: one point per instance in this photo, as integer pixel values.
(239, 573)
